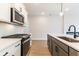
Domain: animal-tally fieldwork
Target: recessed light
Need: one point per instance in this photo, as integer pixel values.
(36, 4)
(42, 13)
(61, 14)
(66, 9)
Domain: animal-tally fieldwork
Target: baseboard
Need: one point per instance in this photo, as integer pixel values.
(38, 38)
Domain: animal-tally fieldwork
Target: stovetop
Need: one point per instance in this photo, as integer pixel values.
(17, 36)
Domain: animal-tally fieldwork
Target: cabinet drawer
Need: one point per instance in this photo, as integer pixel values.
(62, 45)
(62, 52)
(4, 52)
(57, 51)
(17, 49)
(17, 44)
(73, 52)
(13, 50)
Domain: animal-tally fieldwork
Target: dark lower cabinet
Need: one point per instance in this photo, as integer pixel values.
(55, 50)
(62, 52)
(49, 43)
(73, 52)
(56, 47)
(52, 47)
(58, 51)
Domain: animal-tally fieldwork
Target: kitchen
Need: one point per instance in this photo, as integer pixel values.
(39, 29)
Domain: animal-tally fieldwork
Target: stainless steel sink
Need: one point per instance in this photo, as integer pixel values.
(69, 39)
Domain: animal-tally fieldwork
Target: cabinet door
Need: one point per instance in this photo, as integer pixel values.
(5, 12)
(58, 51)
(13, 50)
(4, 53)
(62, 52)
(9, 51)
(49, 42)
(73, 52)
(18, 49)
(52, 46)
(55, 50)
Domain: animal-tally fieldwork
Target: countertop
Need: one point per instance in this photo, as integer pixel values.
(5, 43)
(74, 45)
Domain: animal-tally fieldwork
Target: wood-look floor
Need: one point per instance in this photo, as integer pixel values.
(39, 48)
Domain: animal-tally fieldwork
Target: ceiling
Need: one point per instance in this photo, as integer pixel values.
(45, 8)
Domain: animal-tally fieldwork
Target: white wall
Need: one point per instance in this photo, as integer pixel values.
(40, 26)
(5, 12)
(71, 17)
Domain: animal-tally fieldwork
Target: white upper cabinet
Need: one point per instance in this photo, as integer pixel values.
(5, 12)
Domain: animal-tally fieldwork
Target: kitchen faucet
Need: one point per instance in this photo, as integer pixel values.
(74, 30)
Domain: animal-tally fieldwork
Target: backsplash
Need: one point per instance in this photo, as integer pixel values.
(8, 29)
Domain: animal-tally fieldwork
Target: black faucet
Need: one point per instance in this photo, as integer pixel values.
(74, 30)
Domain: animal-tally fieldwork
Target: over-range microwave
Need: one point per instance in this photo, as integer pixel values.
(16, 16)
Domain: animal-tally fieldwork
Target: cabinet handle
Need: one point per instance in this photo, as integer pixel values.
(17, 45)
(56, 49)
(5, 54)
(13, 55)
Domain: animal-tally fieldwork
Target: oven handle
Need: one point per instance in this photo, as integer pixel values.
(26, 41)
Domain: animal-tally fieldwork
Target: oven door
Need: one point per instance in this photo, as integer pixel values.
(25, 47)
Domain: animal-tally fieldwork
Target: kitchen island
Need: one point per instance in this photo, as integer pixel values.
(61, 47)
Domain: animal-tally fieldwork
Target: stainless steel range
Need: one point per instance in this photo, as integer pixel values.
(25, 46)
(25, 42)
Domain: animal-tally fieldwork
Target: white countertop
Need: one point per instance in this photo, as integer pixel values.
(4, 43)
(74, 45)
